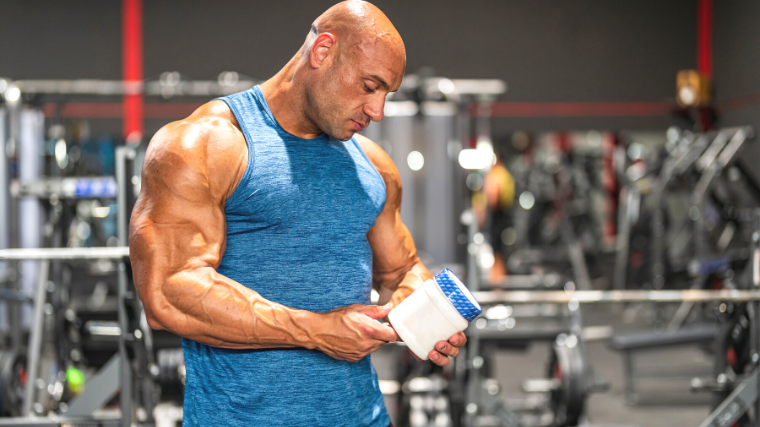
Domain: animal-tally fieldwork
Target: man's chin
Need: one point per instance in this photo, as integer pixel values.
(341, 133)
(344, 136)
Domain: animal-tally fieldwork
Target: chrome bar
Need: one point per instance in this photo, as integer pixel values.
(65, 253)
(123, 157)
(735, 405)
(73, 187)
(592, 297)
(16, 296)
(56, 421)
(119, 87)
(35, 339)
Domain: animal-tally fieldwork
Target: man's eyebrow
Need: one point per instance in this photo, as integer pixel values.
(381, 81)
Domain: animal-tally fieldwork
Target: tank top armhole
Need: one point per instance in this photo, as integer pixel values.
(371, 165)
(248, 142)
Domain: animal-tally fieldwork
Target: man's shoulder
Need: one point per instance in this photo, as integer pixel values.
(210, 128)
(379, 159)
(207, 144)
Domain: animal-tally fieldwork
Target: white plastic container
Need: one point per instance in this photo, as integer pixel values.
(440, 308)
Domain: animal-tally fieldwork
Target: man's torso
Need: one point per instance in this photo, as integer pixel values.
(296, 234)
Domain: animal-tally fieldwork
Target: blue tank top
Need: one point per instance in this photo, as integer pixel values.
(297, 234)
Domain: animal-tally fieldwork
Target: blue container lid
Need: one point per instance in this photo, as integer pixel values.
(458, 294)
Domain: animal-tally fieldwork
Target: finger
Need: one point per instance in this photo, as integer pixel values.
(384, 333)
(376, 311)
(447, 349)
(458, 340)
(397, 338)
(438, 358)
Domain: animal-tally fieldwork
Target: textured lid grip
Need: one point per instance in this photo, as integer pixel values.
(458, 294)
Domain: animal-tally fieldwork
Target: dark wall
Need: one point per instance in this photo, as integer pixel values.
(66, 40)
(737, 69)
(546, 50)
(736, 48)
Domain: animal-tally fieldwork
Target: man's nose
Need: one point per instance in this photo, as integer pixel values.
(375, 108)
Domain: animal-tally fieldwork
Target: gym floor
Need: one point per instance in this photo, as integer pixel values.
(662, 402)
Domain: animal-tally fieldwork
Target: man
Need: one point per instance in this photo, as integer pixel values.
(262, 224)
(499, 192)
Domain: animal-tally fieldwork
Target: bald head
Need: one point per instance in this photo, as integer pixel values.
(338, 82)
(357, 24)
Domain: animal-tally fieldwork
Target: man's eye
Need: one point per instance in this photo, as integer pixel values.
(367, 89)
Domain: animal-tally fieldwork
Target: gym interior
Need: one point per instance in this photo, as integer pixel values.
(584, 167)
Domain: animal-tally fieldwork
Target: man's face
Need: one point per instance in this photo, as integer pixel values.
(351, 91)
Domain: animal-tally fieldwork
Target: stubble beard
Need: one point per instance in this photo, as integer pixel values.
(322, 108)
(325, 116)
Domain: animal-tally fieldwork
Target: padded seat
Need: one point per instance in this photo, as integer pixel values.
(642, 340)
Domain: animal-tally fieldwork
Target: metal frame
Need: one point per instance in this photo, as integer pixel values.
(35, 338)
(602, 297)
(79, 188)
(744, 396)
(56, 421)
(709, 153)
(4, 193)
(65, 253)
(100, 389)
(736, 404)
(120, 87)
(123, 154)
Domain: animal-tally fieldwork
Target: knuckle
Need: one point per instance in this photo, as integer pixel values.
(366, 331)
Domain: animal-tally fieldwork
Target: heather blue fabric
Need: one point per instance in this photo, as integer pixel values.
(296, 234)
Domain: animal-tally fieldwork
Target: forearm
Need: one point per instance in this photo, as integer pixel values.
(209, 308)
(396, 288)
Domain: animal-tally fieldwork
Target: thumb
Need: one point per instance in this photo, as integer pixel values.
(377, 311)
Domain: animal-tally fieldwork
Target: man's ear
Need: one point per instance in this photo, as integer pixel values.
(320, 50)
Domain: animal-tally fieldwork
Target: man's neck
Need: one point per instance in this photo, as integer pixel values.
(285, 97)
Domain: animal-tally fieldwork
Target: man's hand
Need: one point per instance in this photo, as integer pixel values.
(444, 349)
(396, 268)
(352, 332)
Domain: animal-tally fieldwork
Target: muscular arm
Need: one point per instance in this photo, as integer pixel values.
(397, 270)
(177, 239)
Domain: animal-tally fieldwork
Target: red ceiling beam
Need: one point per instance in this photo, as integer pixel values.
(704, 36)
(132, 66)
(115, 110)
(176, 110)
(578, 109)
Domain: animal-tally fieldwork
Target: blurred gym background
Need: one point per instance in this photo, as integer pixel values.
(544, 146)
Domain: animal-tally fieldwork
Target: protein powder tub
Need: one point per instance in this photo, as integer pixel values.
(440, 308)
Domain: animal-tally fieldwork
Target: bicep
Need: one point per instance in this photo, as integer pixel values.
(393, 249)
(391, 242)
(177, 224)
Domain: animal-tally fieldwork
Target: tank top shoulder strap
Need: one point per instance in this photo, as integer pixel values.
(248, 111)
(371, 167)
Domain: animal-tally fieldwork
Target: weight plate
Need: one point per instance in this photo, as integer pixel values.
(732, 355)
(568, 369)
(12, 381)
